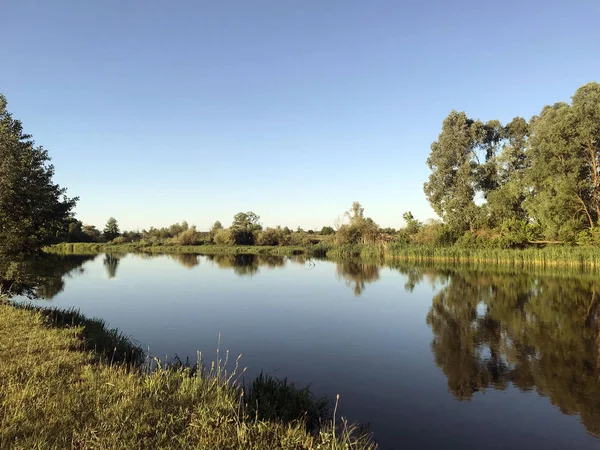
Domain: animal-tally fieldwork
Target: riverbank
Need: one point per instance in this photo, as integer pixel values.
(62, 386)
(554, 256)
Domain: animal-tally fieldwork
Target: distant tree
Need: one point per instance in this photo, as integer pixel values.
(311, 231)
(359, 229)
(412, 225)
(92, 233)
(286, 230)
(299, 229)
(216, 226)
(33, 210)
(327, 231)
(111, 230)
(244, 227)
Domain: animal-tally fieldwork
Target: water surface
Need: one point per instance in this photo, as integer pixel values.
(431, 357)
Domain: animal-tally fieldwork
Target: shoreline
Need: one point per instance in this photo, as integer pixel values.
(587, 258)
(60, 367)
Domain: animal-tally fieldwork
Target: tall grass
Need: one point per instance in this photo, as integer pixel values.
(581, 257)
(563, 256)
(54, 394)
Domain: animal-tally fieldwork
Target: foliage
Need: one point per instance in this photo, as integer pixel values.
(273, 236)
(33, 210)
(359, 230)
(223, 237)
(244, 228)
(111, 230)
(543, 174)
(188, 237)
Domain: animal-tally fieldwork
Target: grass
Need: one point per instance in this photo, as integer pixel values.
(557, 256)
(554, 256)
(55, 393)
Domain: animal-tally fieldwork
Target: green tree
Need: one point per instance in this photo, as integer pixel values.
(326, 230)
(111, 230)
(33, 210)
(412, 225)
(216, 226)
(463, 163)
(244, 227)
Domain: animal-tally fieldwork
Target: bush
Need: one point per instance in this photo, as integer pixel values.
(435, 234)
(223, 237)
(589, 237)
(188, 237)
(272, 236)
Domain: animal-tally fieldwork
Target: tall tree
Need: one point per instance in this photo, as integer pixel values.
(454, 178)
(34, 211)
(111, 230)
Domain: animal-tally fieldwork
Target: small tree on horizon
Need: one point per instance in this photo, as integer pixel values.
(111, 230)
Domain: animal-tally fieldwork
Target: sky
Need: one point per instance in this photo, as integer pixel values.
(156, 112)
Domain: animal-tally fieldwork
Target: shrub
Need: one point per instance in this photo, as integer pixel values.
(223, 237)
(272, 236)
(188, 237)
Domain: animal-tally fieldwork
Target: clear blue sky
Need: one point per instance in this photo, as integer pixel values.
(156, 112)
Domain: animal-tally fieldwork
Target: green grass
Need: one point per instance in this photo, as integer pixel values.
(552, 256)
(556, 256)
(56, 394)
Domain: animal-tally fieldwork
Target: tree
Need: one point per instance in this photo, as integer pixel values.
(412, 225)
(216, 226)
(359, 229)
(92, 233)
(325, 231)
(111, 230)
(463, 167)
(564, 171)
(33, 210)
(244, 227)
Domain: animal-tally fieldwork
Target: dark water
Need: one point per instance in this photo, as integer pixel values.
(431, 357)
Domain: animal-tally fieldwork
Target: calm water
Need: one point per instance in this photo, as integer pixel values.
(430, 357)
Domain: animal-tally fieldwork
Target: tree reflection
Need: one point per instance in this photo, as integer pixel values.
(111, 263)
(39, 278)
(531, 331)
(188, 260)
(242, 265)
(357, 274)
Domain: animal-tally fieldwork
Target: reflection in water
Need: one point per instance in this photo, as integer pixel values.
(188, 260)
(42, 277)
(531, 331)
(490, 329)
(248, 265)
(111, 263)
(357, 274)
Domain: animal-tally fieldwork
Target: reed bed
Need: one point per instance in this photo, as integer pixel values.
(563, 256)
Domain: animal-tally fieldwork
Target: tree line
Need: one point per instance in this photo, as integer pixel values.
(526, 181)
(492, 184)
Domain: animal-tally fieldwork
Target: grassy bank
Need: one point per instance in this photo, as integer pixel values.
(83, 248)
(554, 256)
(557, 256)
(57, 392)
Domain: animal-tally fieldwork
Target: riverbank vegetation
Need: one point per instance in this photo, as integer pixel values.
(66, 381)
(525, 184)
